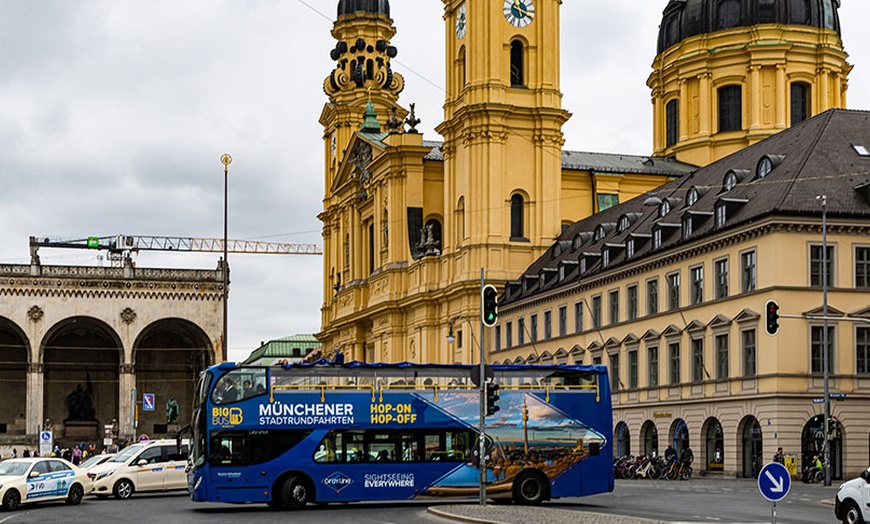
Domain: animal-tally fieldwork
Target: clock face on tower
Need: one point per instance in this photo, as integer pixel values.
(461, 22)
(519, 13)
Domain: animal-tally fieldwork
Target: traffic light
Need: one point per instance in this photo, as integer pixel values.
(771, 310)
(492, 397)
(489, 305)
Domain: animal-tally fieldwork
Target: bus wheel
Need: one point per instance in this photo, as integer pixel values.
(294, 493)
(529, 489)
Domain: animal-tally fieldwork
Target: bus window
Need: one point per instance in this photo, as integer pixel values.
(239, 384)
(382, 447)
(235, 448)
(410, 448)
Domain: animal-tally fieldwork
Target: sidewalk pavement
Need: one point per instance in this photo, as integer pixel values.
(510, 514)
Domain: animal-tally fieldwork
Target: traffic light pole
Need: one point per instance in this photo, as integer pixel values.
(482, 444)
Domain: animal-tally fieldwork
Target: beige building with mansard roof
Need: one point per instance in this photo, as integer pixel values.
(669, 290)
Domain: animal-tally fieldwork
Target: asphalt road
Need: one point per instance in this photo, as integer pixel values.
(697, 500)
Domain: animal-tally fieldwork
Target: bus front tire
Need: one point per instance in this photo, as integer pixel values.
(294, 493)
(529, 489)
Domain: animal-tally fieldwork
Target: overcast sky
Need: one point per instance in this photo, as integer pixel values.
(114, 115)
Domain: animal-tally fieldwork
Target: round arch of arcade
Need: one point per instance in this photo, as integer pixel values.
(79, 378)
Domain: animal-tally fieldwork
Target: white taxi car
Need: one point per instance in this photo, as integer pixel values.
(28, 480)
(153, 465)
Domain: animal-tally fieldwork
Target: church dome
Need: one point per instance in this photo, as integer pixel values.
(349, 7)
(682, 19)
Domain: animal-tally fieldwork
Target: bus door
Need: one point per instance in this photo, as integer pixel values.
(229, 464)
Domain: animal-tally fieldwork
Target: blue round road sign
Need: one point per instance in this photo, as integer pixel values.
(774, 481)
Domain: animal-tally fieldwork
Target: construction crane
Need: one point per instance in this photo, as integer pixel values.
(122, 247)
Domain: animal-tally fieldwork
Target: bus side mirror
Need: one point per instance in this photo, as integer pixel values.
(594, 449)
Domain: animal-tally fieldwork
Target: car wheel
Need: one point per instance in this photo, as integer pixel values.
(75, 495)
(294, 493)
(11, 500)
(852, 514)
(529, 489)
(123, 489)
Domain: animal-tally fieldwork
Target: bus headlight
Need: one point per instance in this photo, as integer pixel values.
(195, 484)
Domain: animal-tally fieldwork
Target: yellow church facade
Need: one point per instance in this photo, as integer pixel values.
(408, 222)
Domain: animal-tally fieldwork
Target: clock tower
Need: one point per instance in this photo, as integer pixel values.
(502, 133)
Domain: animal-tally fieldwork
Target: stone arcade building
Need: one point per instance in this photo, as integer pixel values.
(75, 341)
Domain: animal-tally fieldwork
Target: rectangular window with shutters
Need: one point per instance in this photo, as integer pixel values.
(747, 263)
(533, 327)
(548, 325)
(596, 311)
(697, 276)
(614, 372)
(749, 353)
(653, 365)
(563, 321)
(509, 334)
(521, 331)
(674, 356)
(722, 356)
(862, 267)
(673, 291)
(631, 296)
(632, 369)
(816, 265)
(652, 296)
(578, 317)
(816, 343)
(614, 306)
(698, 360)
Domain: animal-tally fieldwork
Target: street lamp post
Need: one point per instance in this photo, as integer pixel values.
(226, 160)
(825, 353)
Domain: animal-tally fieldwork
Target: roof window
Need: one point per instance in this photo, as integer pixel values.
(861, 149)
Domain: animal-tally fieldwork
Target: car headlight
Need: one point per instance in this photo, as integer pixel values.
(105, 474)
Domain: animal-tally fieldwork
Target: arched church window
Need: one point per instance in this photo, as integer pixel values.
(800, 12)
(517, 209)
(672, 122)
(460, 219)
(730, 108)
(517, 64)
(460, 66)
(800, 102)
(728, 14)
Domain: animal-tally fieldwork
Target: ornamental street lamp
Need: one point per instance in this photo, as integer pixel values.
(226, 160)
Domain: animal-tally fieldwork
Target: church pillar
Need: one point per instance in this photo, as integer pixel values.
(755, 89)
(126, 383)
(823, 76)
(684, 111)
(782, 93)
(705, 100)
(35, 382)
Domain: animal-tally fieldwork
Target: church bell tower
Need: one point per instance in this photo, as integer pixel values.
(502, 132)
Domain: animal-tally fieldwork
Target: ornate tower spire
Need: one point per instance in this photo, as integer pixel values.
(362, 53)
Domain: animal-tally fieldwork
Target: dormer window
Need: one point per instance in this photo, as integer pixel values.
(721, 214)
(629, 249)
(664, 208)
(561, 273)
(730, 181)
(764, 168)
(582, 265)
(599, 233)
(687, 227)
(580, 238)
(624, 223)
(657, 238)
(605, 257)
(692, 197)
(734, 177)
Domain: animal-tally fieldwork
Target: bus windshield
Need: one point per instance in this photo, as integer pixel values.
(355, 432)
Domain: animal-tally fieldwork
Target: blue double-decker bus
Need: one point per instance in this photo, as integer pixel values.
(289, 435)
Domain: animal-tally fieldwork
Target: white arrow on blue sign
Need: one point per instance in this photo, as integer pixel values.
(774, 481)
(148, 401)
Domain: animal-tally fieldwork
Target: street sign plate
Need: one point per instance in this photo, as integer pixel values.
(818, 401)
(838, 396)
(774, 481)
(148, 401)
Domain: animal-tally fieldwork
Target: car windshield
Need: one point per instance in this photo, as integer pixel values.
(126, 453)
(13, 467)
(96, 459)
